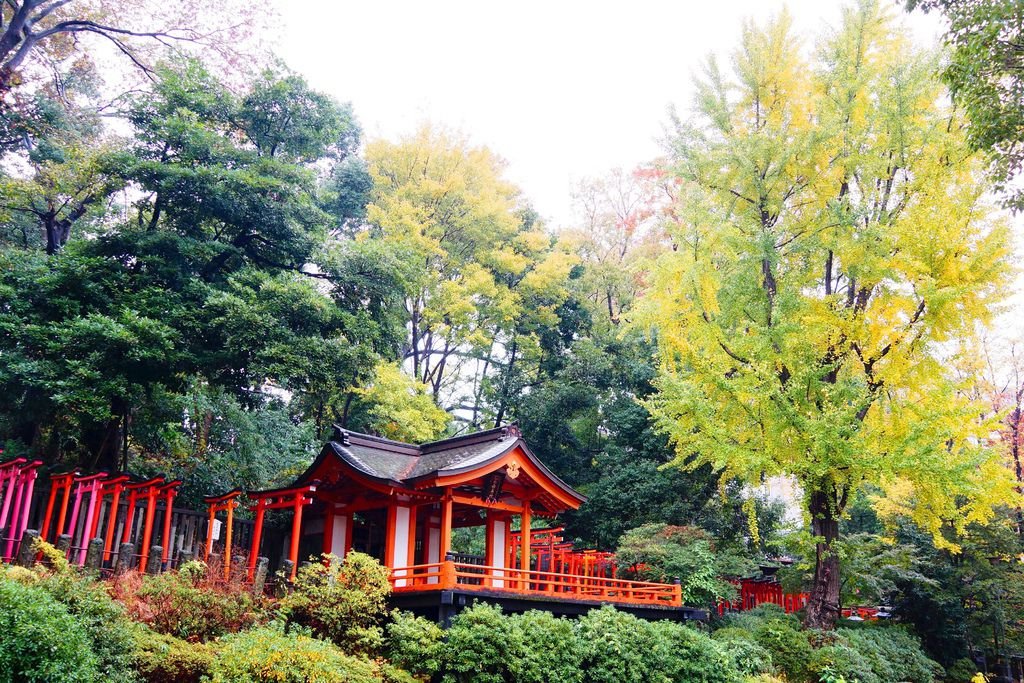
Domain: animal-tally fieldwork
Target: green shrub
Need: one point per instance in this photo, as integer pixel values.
(270, 654)
(661, 552)
(750, 619)
(415, 644)
(40, 640)
(160, 658)
(842, 661)
(615, 646)
(481, 646)
(790, 650)
(548, 649)
(107, 625)
(342, 600)
(681, 653)
(88, 601)
(893, 653)
(749, 658)
(181, 605)
(962, 670)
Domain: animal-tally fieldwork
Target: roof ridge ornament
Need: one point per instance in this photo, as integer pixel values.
(511, 430)
(340, 435)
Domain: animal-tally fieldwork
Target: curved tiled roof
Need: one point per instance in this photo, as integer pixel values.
(400, 464)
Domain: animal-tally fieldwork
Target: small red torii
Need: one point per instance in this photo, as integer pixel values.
(20, 475)
(147, 490)
(90, 486)
(59, 483)
(111, 487)
(279, 499)
(226, 502)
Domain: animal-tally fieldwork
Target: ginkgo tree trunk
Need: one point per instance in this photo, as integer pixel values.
(831, 244)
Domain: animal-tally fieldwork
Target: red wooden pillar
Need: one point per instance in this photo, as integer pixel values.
(328, 542)
(114, 487)
(446, 525)
(293, 551)
(147, 529)
(411, 553)
(227, 540)
(10, 473)
(90, 486)
(257, 535)
(389, 536)
(168, 491)
(59, 484)
(25, 479)
(524, 553)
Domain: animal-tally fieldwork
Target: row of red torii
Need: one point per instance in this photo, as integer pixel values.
(97, 499)
(83, 507)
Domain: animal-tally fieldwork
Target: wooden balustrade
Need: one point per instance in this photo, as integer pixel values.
(537, 583)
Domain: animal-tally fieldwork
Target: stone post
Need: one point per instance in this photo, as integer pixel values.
(26, 551)
(259, 577)
(64, 544)
(239, 568)
(155, 563)
(94, 554)
(184, 557)
(125, 557)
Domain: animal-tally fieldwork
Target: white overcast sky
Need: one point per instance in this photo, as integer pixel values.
(563, 89)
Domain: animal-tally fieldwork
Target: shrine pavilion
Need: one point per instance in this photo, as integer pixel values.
(401, 502)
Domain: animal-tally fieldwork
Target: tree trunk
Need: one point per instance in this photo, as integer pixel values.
(823, 607)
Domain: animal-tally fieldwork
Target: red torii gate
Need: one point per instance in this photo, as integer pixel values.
(168, 492)
(111, 487)
(59, 483)
(147, 490)
(226, 502)
(20, 475)
(90, 486)
(279, 499)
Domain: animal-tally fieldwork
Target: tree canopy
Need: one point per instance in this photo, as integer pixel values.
(833, 245)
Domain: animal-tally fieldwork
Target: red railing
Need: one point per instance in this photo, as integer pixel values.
(536, 583)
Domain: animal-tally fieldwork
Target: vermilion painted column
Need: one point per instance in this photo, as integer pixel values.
(328, 543)
(169, 491)
(73, 522)
(293, 552)
(257, 536)
(16, 512)
(23, 502)
(446, 525)
(48, 515)
(389, 536)
(524, 543)
(112, 487)
(227, 540)
(9, 473)
(92, 488)
(147, 528)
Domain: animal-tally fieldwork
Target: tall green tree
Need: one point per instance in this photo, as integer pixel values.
(984, 74)
(203, 291)
(833, 240)
(480, 274)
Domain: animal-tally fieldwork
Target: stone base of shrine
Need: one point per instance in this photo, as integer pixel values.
(442, 605)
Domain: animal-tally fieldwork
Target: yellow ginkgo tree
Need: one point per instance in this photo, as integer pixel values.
(480, 274)
(831, 243)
